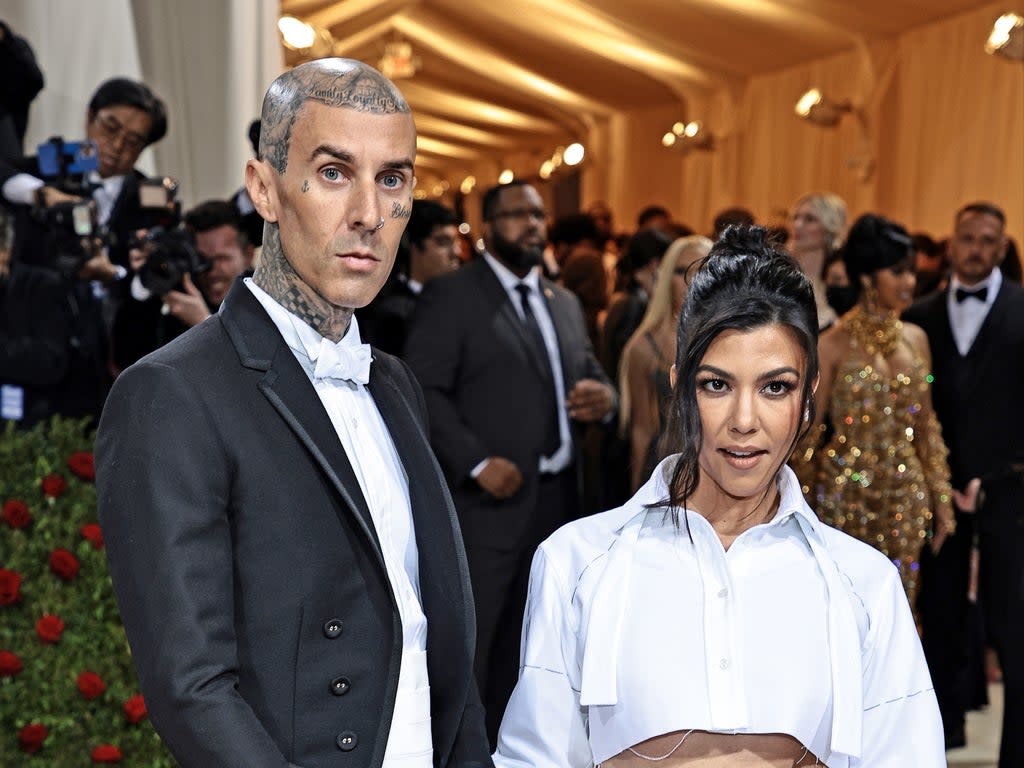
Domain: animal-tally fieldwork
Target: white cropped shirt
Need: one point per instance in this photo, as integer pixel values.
(633, 631)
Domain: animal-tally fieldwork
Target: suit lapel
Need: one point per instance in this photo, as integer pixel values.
(993, 320)
(508, 319)
(562, 320)
(289, 390)
(442, 561)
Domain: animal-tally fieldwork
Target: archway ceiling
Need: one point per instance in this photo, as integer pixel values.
(504, 76)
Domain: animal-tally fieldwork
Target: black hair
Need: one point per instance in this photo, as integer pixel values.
(743, 284)
(873, 243)
(731, 216)
(490, 198)
(984, 208)
(651, 212)
(426, 216)
(574, 228)
(122, 92)
(216, 213)
(254, 136)
(643, 248)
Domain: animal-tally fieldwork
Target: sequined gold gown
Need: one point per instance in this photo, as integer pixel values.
(880, 474)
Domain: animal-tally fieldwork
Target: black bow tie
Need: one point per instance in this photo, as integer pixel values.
(981, 294)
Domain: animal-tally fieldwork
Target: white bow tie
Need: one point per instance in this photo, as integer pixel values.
(343, 361)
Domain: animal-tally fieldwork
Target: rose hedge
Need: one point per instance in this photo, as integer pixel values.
(69, 695)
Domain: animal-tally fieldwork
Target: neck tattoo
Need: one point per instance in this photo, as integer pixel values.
(277, 277)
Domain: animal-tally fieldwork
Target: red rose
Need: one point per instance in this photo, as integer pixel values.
(81, 463)
(91, 532)
(16, 513)
(91, 685)
(53, 485)
(64, 564)
(10, 583)
(31, 737)
(50, 628)
(106, 753)
(10, 664)
(135, 709)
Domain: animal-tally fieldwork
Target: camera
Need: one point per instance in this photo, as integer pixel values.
(173, 255)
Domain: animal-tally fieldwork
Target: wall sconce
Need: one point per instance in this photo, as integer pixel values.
(506, 176)
(310, 41)
(569, 157)
(817, 108)
(1007, 37)
(688, 136)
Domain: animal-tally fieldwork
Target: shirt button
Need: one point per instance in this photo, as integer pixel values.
(723, 664)
(340, 686)
(723, 592)
(332, 628)
(347, 741)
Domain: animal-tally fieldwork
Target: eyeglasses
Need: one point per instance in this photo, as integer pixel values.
(522, 214)
(112, 128)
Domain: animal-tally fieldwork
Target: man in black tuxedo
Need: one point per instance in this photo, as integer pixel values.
(284, 551)
(430, 247)
(509, 376)
(976, 331)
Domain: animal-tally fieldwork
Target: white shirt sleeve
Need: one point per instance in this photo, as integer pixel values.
(902, 725)
(544, 725)
(21, 188)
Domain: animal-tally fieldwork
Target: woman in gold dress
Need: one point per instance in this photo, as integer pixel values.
(875, 466)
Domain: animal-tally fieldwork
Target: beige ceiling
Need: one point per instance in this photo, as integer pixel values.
(499, 76)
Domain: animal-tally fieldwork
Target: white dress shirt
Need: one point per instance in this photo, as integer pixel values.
(561, 458)
(966, 317)
(633, 631)
(385, 487)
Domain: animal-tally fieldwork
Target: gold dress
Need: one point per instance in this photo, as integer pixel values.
(882, 472)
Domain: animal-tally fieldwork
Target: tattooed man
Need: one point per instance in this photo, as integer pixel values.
(284, 550)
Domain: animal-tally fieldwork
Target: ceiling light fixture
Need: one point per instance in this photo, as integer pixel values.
(1007, 37)
(506, 177)
(687, 136)
(816, 108)
(467, 185)
(297, 35)
(574, 154)
(398, 60)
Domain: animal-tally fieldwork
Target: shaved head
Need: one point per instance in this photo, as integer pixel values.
(334, 83)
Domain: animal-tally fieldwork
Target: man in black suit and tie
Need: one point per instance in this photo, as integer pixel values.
(284, 550)
(976, 332)
(509, 375)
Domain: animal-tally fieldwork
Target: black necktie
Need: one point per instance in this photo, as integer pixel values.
(981, 294)
(552, 434)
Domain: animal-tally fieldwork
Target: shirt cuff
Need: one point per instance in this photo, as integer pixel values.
(475, 471)
(21, 188)
(138, 291)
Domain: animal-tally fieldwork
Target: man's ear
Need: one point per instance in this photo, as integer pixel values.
(672, 376)
(261, 186)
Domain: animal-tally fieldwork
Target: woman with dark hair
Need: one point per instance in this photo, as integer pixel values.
(878, 469)
(712, 620)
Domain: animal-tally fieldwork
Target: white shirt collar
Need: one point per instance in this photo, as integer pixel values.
(508, 279)
(298, 335)
(993, 282)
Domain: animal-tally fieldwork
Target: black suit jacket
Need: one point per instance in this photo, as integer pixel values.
(977, 396)
(486, 389)
(385, 321)
(246, 565)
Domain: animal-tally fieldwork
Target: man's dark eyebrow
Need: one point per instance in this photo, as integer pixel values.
(349, 159)
(763, 377)
(335, 152)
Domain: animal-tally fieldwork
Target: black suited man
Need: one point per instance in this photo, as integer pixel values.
(285, 554)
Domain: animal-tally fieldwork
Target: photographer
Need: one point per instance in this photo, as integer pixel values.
(122, 119)
(181, 278)
(35, 337)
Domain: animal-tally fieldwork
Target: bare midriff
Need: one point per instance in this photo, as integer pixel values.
(701, 749)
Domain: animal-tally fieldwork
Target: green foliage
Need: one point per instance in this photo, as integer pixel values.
(45, 691)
